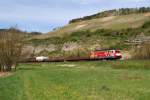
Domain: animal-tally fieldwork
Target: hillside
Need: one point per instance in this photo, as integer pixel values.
(114, 12)
(82, 42)
(24, 33)
(111, 22)
(109, 32)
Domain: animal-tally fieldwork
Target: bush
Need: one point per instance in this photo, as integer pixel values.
(142, 52)
(146, 24)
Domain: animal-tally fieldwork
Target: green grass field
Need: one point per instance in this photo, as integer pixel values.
(113, 80)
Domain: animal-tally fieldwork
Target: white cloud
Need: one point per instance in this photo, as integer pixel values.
(128, 1)
(90, 1)
(86, 2)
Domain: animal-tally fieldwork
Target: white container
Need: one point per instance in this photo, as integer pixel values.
(41, 58)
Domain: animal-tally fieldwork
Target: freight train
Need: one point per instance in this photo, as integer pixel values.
(93, 55)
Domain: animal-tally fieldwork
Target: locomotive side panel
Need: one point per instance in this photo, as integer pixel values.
(108, 54)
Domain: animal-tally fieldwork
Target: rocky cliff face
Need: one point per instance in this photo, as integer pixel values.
(68, 46)
(37, 49)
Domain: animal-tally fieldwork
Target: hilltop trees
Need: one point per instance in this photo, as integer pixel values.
(10, 49)
(115, 12)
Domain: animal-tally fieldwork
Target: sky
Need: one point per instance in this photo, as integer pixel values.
(44, 15)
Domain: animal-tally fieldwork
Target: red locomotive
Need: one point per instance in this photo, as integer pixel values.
(106, 54)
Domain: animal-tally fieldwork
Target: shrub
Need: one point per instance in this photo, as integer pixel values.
(146, 24)
(142, 51)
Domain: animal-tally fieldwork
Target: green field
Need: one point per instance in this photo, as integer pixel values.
(113, 80)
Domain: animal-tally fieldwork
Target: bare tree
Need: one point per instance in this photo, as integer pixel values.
(11, 45)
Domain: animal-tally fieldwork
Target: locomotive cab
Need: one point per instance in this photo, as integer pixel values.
(106, 54)
(114, 54)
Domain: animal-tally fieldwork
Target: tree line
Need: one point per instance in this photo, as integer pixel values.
(114, 12)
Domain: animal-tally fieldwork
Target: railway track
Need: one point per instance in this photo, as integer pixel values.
(70, 59)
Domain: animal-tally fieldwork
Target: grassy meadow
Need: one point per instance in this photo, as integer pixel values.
(98, 80)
